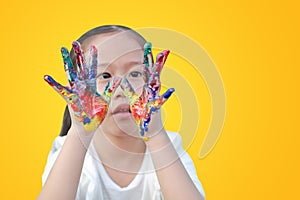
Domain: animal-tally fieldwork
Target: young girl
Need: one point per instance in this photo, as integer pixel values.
(114, 145)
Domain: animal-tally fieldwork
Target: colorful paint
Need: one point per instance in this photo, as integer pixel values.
(143, 106)
(89, 107)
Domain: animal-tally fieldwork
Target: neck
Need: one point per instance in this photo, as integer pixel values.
(124, 153)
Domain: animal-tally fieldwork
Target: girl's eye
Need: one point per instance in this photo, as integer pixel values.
(104, 75)
(135, 74)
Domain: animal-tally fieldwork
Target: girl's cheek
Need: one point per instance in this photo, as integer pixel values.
(139, 88)
(101, 84)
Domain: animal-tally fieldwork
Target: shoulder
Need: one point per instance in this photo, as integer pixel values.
(174, 137)
(59, 141)
(53, 154)
(186, 160)
(56, 146)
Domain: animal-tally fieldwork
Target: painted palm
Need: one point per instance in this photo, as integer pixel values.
(144, 105)
(88, 105)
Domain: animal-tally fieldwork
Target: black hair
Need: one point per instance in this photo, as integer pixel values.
(66, 124)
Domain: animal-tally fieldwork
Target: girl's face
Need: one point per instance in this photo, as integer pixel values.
(119, 54)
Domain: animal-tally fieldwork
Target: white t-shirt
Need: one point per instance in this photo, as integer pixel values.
(95, 183)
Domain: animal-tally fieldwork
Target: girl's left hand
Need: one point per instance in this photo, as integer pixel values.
(149, 102)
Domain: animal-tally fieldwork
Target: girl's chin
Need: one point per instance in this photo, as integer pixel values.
(125, 123)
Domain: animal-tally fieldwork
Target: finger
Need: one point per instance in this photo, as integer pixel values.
(159, 102)
(148, 57)
(156, 106)
(110, 87)
(93, 62)
(68, 95)
(91, 70)
(65, 92)
(154, 79)
(146, 73)
(127, 88)
(79, 58)
(154, 84)
(160, 61)
(69, 69)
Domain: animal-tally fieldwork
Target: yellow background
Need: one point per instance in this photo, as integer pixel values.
(255, 45)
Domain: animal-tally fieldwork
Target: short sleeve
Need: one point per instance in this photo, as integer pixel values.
(56, 148)
(186, 160)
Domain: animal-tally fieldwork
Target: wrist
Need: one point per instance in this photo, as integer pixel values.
(158, 141)
(162, 151)
(84, 137)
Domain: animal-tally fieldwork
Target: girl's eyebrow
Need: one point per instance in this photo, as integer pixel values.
(134, 63)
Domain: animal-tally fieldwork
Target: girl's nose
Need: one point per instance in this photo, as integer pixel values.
(119, 93)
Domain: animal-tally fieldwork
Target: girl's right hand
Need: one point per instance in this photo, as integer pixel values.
(88, 106)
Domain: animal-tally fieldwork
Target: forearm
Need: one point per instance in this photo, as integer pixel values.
(174, 180)
(63, 179)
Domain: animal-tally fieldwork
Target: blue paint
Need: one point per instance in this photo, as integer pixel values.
(168, 93)
(86, 120)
